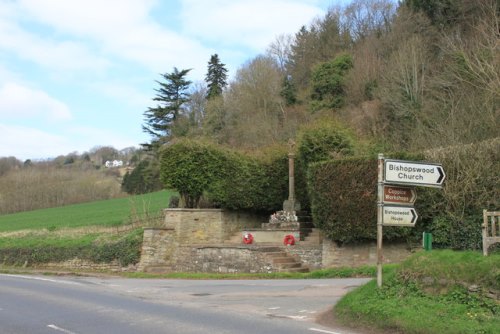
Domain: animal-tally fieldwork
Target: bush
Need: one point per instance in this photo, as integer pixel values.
(142, 179)
(324, 140)
(190, 167)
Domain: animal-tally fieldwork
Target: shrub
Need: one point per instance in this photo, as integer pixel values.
(324, 140)
(142, 179)
(190, 167)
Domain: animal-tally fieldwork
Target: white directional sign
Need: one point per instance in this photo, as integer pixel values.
(399, 216)
(413, 173)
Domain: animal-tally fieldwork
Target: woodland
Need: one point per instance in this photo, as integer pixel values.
(412, 76)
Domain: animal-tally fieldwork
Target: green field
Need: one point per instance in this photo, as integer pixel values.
(112, 212)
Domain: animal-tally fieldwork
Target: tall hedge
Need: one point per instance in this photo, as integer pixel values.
(229, 179)
(344, 200)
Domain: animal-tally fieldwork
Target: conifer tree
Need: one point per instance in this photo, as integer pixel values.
(171, 97)
(216, 77)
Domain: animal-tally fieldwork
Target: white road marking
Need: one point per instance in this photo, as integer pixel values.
(42, 279)
(322, 331)
(59, 329)
(274, 308)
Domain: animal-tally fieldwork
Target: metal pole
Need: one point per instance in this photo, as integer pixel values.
(380, 208)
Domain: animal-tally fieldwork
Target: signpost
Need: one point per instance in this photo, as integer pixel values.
(399, 216)
(399, 195)
(413, 173)
(394, 177)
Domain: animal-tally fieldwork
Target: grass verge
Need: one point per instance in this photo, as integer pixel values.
(441, 292)
(366, 271)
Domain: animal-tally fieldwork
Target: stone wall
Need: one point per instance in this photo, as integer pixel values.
(361, 254)
(272, 236)
(202, 226)
(222, 259)
(158, 248)
(310, 255)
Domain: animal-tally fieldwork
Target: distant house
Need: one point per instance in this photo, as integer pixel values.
(114, 163)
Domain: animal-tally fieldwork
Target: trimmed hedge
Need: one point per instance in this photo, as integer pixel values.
(344, 201)
(228, 178)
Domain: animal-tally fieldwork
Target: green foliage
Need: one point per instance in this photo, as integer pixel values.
(112, 212)
(144, 178)
(227, 178)
(127, 249)
(171, 96)
(216, 77)
(190, 167)
(328, 81)
(405, 304)
(442, 269)
(449, 232)
(324, 140)
(344, 196)
(289, 91)
(38, 249)
(441, 12)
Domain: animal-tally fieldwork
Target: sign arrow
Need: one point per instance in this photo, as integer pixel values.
(399, 195)
(413, 173)
(399, 216)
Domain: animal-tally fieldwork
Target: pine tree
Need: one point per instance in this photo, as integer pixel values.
(216, 77)
(171, 97)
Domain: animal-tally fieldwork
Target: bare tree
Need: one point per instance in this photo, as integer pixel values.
(280, 50)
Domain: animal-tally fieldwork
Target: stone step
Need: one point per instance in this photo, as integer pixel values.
(295, 270)
(280, 260)
(291, 265)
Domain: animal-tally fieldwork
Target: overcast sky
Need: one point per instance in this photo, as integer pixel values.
(75, 74)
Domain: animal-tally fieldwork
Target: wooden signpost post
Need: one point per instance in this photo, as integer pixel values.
(394, 179)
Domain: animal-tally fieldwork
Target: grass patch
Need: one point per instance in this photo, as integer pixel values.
(112, 212)
(404, 303)
(366, 271)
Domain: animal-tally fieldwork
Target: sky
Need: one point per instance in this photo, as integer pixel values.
(79, 74)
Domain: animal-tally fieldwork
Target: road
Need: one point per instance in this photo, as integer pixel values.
(84, 305)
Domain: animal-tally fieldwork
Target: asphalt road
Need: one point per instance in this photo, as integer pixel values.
(84, 305)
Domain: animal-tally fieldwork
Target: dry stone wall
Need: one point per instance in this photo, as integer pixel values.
(222, 259)
(202, 226)
(361, 254)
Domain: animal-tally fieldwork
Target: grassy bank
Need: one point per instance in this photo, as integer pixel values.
(98, 248)
(432, 292)
(113, 212)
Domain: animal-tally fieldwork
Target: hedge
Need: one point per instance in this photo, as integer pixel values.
(344, 200)
(227, 178)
